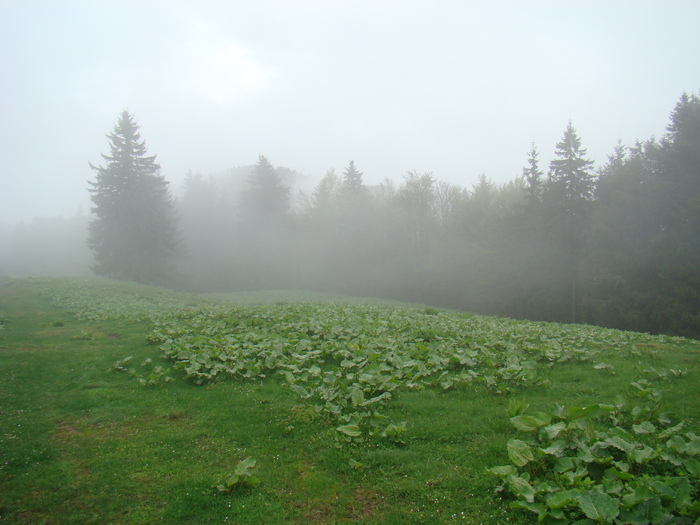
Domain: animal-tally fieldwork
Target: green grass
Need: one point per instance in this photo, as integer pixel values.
(301, 296)
(81, 443)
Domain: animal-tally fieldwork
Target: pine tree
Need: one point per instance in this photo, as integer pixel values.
(533, 177)
(570, 174)
(570, 189)
(266, 199)
(133, 233)
(678, 242)
(265, 231)
(322, 202)
(352, 181)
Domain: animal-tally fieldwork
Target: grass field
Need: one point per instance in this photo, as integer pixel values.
(127, 404)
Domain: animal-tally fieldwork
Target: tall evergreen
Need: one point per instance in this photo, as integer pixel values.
(133, 232)
(324, 194)
(265, 231)
(570, 192)
(353, 201)
(533, 177)
(266, 199)
(570, 174)
(678, 243)
(352, 180)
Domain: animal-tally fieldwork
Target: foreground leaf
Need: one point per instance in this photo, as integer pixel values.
(351, 430)
(649, 511)
(243, 466)
(521, 488)
(598, 506)
(519, 452)
(562, 499)
(529, 423)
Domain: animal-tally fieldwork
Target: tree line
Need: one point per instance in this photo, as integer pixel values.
(617, 246)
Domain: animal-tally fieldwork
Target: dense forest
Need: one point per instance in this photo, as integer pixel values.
(617, 245)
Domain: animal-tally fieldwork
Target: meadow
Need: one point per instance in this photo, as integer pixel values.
(128, 404)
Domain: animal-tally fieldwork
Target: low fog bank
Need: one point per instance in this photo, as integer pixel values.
(417, 239)
(614, 245)
(47, 246)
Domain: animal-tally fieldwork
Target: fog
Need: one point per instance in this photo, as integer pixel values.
(458, 88)
(46, 246)
(399, 137)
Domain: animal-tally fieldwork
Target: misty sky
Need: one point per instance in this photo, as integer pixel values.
(457, 88)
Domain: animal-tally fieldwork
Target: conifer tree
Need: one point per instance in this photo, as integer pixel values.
(133, 233)
(265, 231)
(570, 174)
(323, 197)
(570, 188)
(352, 181)
(266, 199)
(533, 176)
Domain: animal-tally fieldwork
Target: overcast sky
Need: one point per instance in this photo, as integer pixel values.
(457, 88)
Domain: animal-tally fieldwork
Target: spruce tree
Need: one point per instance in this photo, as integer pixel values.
(265, 240)
(570, 191)
(322, 202)
(533, 177)
(570, 174)
(352, 181)
(133, 233)
(266, 200)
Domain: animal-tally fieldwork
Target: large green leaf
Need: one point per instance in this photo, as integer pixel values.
(522, 488)
(530, 422)
(537, 508)
(682, 492)
(693, 467)
(642, 455)
(381, 397)
(517, 407)
(356, 396)
(677, 444)
(639, 494)
(621, 444)
(597, 505)
(554, 430)
(672, 430)
(301, 391)
(693, 446)
(502, 471)
(557, 448)
(564, 464)
(619, 474)
(519, 452)
(648, 511)
(243, 466)
(563, 498)
(351, 430)
(645, 427)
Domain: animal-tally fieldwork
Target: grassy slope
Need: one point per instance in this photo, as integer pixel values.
(302, 296)
(80, 443)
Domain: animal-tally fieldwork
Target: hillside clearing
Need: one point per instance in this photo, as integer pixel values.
(130, 404)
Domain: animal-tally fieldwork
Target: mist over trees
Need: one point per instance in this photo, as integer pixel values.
(617, 245)
(47, 246)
